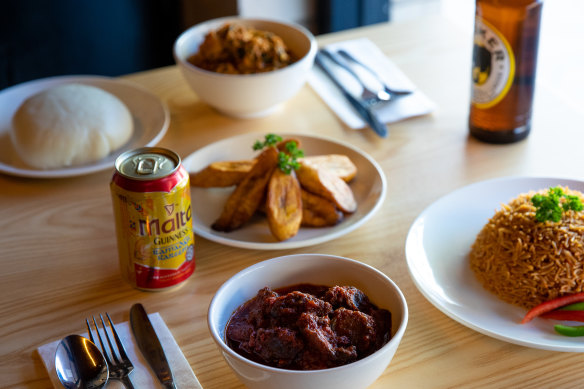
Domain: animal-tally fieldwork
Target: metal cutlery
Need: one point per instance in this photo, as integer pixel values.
(150, 346)
(80, 364)
(351, 60)
(368, 95)
(364, 109)
(118, 362)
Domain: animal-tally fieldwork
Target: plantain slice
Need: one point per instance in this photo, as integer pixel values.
(221, 174)
(248, 194)
(228, 173)
(318, 211)
(338, 164)
(324, 183)
(284, 205)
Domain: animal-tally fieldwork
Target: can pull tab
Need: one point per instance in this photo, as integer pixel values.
(149, 165)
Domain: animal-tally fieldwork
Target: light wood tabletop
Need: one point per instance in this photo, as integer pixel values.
(59, 261)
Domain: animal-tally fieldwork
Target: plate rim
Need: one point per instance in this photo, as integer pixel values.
(545, 344)
(301, 243)
(81, 170)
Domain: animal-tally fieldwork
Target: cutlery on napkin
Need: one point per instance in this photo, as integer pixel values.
(361, 107)
(415, 104)
(142, 376)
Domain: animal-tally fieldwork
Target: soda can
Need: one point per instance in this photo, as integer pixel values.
(152, 208)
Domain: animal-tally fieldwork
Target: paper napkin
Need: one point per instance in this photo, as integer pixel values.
(142, 376)
(363, 49)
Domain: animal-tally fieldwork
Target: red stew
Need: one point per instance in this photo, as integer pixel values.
(308, 327)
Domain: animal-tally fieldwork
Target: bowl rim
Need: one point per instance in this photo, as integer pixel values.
(396, 338)
(311, 53)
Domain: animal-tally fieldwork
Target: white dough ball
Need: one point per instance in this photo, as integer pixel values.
(71, 124)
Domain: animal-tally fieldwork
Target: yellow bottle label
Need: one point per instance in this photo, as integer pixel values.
(493, 65)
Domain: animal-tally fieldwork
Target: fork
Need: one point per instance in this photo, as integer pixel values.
(369, 96)
(118, 362)
(386, 88)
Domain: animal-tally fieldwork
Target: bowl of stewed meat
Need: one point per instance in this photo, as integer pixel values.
(308, 321)
(245, 67)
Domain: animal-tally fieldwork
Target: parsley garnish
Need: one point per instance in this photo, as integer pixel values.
(270, 140)
(286, 160)
(549, 207)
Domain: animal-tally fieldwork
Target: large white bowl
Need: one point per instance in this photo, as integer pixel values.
(247, 95)
(314, 269)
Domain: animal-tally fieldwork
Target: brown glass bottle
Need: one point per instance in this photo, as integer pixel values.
(503, 71)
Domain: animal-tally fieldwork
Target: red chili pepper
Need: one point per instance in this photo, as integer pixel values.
(564, 315)
(548, 306)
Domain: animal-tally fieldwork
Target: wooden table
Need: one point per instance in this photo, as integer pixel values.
(58, 256)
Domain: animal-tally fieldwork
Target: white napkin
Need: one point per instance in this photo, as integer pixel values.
(142, 376)
(363, 49)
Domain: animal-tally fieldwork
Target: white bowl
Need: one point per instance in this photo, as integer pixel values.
(314, 269)
(247, 95)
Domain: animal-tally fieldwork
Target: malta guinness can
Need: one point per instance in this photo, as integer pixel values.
(152, 208)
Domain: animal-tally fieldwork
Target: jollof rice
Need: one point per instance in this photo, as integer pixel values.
(525, 262)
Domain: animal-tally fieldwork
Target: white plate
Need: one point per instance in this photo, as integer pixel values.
(437, 249)
(151, 119)
(368, 187)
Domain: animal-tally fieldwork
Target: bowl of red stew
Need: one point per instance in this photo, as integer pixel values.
(308, 321)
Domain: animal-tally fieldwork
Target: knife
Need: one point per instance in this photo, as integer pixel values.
(392, 92)
(377, 91)
(364, 111)
(150, 346)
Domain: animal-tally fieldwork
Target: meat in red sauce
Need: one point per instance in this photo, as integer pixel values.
(308, 327)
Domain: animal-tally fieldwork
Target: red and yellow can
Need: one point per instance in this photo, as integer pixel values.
(152, 208)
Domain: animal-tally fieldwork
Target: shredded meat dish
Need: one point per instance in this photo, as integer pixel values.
(308, 327)
(237, 49)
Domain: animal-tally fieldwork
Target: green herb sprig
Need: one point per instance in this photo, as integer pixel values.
(550, 206)
(269, 140)
(286, 160)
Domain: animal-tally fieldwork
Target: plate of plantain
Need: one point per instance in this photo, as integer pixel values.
(284, 191)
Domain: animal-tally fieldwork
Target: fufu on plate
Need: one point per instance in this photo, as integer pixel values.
(68, 125)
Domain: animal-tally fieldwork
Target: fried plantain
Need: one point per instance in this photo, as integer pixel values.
(284, 205)
(318, 211)
(221, 174)
(248, 194)
(338, 164)
(324, 183)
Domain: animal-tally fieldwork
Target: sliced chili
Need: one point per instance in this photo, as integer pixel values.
(564, 315)
(548, 306)
(568, 330)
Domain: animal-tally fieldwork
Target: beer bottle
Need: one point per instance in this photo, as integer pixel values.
(503, 69)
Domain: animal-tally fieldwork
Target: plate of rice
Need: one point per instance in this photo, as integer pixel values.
(477, 256)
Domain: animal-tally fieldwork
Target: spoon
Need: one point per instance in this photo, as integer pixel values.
(80, 364)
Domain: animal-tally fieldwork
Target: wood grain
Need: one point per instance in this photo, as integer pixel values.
(58, 252)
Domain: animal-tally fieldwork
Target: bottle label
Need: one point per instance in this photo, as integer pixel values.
(493, 65)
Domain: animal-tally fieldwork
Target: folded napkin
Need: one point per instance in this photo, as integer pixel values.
(363, 49)
(142, 376)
